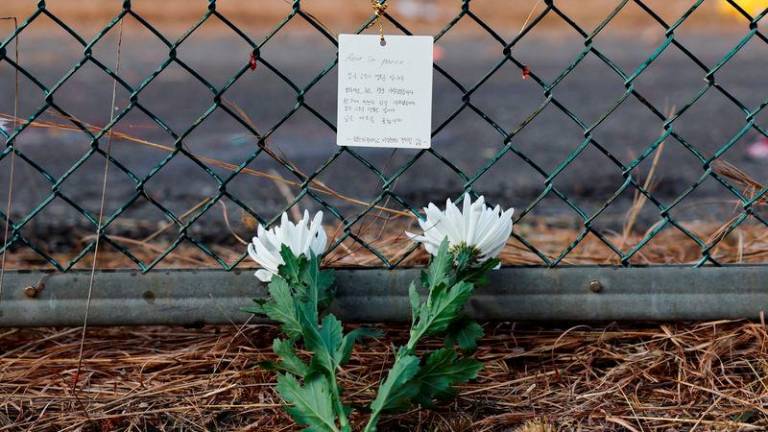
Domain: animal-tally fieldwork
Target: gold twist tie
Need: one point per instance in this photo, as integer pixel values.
(378, 9)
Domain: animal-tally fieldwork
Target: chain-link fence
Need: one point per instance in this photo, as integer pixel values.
(359, 218)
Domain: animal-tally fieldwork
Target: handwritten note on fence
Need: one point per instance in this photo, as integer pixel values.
(385, 92)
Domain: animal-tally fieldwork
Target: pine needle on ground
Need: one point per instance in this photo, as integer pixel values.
(646, 377)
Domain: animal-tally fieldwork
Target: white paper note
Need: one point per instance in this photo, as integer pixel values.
(385, 92)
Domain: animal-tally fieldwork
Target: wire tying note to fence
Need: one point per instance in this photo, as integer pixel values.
(379, 7)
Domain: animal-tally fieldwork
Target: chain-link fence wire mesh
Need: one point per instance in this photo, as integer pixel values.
(308, 186)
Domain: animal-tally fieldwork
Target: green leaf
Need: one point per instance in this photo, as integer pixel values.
(256, 309)
(435, 379)
(439, 268)
(289, 361)
(331, 334)
(312, 403)
(393, 392)
(348, 342)
(324, 342)
(319, 283)
(292, 266)
(326, 289)
(442, 370)
(446, 306)
(465, 334)
(331, 348)
(415, 299)
(281, 307)
(478, 275)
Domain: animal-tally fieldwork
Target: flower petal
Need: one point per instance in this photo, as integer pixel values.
(264, 275)
(301, 237)
(477, 225)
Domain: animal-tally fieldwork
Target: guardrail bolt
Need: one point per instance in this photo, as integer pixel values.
(595, 286)
(32, 291)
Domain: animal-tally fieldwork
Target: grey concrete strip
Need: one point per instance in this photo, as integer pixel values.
(211, 296)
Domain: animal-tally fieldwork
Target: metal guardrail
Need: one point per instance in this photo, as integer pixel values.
(568, 293)
(552, 293)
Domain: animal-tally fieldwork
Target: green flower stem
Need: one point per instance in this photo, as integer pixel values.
(410, 347)
(298, 295)
(450, 280)
(343, 420)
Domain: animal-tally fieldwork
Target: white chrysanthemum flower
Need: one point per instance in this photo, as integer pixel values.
(477, 226)
(301, 237)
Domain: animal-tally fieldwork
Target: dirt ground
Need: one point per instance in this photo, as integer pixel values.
(609, 378)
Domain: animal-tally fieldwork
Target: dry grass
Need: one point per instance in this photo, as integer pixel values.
(748, 244)
(668, 377)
